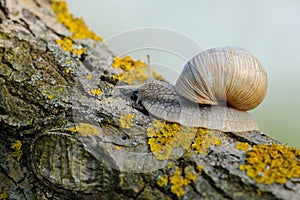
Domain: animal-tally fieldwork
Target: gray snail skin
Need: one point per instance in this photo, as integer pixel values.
(215, 90)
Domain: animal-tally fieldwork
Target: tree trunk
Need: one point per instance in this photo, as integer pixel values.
(68, 133)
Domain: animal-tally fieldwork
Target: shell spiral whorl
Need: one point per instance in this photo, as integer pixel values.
(228, 75)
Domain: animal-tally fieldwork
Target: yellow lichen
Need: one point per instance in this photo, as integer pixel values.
(16, 146)
(118, 147)
(125, 121)
(162, 181)
(76, 25)
(199, 169)
(136, 72)
(85, 129)
(189, 175)
(218, 142)
(165, 137)
(272, 163)
(243, 146)
(258, 191)
(79, 51)
(203, 140)
(170, 165)
(126, 63)
(3, 193)
(177, 183)
(73, 129)
(65, 43)
(96, 91)
(178, 179)
(89, 76)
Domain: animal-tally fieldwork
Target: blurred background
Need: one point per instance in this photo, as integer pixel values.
(269, 29)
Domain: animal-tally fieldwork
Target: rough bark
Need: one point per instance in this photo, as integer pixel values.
(44, 93)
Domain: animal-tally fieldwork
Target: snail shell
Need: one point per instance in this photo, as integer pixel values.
(214, 90)
(229, 74)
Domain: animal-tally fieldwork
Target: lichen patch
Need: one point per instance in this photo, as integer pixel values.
(85, 129)
(272, 163)
(165, 137)
(76, 25)
(177, 178)
(16, 146)
(135, 71)
(243, 146)
(126, 121)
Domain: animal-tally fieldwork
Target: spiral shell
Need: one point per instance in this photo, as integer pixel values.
(214, 90)
(228, 75)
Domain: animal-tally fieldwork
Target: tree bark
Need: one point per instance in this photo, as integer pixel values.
(60, 139)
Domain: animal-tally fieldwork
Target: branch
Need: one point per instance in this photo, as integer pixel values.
(69, 133)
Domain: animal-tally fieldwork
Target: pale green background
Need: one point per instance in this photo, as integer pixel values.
(269, 29)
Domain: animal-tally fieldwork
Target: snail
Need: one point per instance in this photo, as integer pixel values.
(215, 90)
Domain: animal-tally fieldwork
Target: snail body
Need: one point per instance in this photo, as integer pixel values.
(214, 91)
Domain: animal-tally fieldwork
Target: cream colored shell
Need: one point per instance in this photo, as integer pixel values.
(213, 91)
(228, 75)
